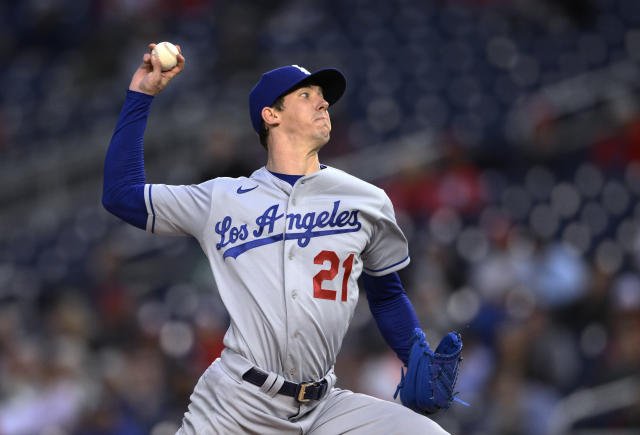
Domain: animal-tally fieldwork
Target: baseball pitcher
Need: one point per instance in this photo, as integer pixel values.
(286, 247)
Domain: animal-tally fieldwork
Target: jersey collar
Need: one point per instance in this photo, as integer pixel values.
(263, 175)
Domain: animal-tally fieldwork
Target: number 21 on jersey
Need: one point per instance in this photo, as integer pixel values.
(330, 273)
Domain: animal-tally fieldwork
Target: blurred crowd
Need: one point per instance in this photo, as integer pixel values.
(522, 221)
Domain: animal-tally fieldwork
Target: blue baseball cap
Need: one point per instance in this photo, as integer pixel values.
(279, 81)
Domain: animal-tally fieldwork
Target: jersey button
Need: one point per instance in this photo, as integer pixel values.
(293, 202)
(291, 255)
(292, 372)
(296, 334)
(294, 294)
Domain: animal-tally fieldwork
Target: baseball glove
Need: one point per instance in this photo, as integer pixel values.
(427, 386)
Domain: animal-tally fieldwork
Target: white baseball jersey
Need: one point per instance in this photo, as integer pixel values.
(285, 259)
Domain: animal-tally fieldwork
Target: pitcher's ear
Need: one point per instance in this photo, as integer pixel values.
(270, 116)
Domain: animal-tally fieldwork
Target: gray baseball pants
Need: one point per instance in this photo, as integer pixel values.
(223, 403)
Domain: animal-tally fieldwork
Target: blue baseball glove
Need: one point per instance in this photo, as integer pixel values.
(428, 384)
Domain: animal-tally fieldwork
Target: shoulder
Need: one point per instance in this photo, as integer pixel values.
(258, 176)
(227, 185)
(228, 181)
(356, 185)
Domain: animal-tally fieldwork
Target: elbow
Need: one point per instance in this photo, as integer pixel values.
(127, 204)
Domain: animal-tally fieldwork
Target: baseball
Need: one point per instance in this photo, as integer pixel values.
(167, 53)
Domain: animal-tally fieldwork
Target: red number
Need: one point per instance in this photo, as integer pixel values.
(330, 274)
(325, 274)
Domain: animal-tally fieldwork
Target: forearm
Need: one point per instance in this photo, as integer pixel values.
(124, 177)
(392, 310)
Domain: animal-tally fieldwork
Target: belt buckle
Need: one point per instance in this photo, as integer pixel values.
(302, 389)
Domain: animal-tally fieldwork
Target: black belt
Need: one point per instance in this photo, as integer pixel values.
(303, 392)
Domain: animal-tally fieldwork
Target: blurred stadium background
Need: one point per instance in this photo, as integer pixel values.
(506, 132)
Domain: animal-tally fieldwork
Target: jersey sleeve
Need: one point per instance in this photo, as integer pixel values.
(387, 250)
(178, 210)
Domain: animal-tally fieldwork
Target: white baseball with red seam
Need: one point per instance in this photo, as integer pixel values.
(167, 53)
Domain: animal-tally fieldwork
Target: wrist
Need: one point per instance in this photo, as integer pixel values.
(143, 91)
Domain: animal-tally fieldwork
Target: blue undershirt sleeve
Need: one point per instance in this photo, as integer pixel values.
(392, 311)
(124, 177)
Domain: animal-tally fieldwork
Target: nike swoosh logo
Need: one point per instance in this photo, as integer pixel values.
(241, 190)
